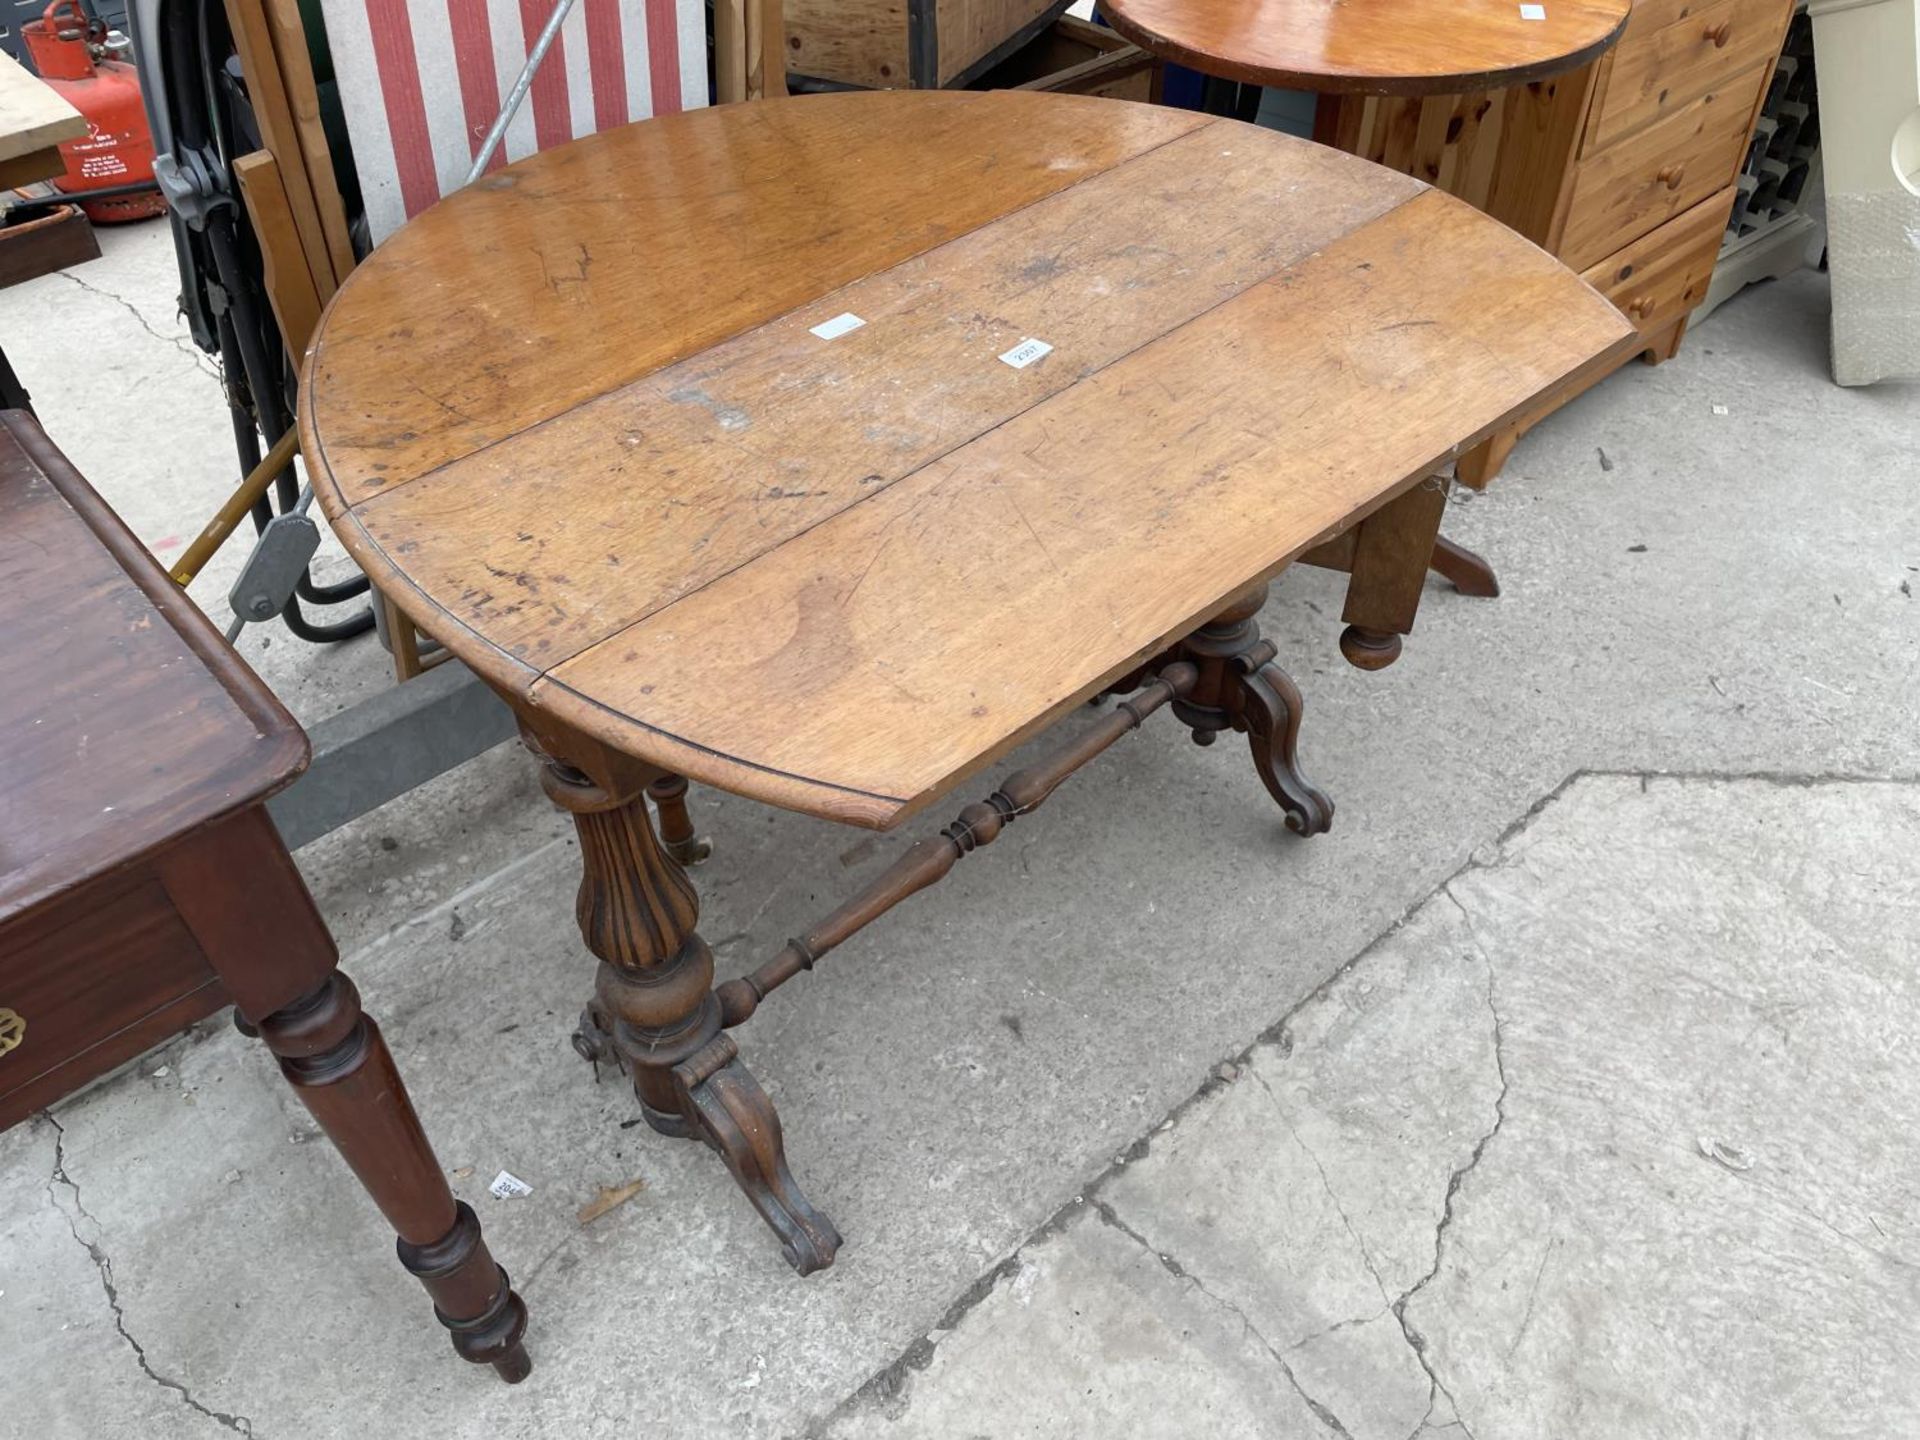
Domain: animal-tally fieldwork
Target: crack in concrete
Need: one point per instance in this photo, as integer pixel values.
(103, 1263)
(183, 343)
(1322, 1412)
(1326, 1183)
(1416, 1340)
(891, 1379)
(1533, 1294)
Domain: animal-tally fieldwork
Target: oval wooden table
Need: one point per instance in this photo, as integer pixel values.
(825, 449)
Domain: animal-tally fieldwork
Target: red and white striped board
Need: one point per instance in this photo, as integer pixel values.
(422, 81)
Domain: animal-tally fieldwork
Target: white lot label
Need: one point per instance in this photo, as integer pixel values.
(839, 325)
(507, 1186)
(1533, 12)
(1026, 352)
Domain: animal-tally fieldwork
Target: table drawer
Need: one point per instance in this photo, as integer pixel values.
(1645, 179)
(91, 983)
(1664, 275)
(1656, 72)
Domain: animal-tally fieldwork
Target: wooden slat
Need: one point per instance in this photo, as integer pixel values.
(303, 101)
(860, 669)
(727, 455)
(289, 283)
(588, 266)
(279, 134)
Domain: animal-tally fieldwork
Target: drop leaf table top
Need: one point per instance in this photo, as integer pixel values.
(581, 423)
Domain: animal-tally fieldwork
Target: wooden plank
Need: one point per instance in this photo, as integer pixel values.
(280, 135)
(289, 283)
(865, 666)
(31, 168)
(968, 30)
(303, 100)
(33, 117)
(549, 263)
(725, 456)
(850, 42)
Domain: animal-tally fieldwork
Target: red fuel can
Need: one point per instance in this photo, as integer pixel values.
(70, 52)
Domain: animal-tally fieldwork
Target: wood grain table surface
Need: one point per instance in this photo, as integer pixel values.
(1374, 47)
(577, 422)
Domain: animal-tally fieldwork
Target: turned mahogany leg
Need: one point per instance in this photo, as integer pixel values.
(332, 1053)
(669, 796)
(1470, 573)
(654, 1005)
(1241, 688)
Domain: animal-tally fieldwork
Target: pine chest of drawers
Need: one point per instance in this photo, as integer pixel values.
(1624, 169)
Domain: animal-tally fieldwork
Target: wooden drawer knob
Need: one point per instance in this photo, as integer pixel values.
(1720, 34)
(1639, 307)
(1671, 175)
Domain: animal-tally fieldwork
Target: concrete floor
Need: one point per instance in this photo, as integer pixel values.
(1568, 1088)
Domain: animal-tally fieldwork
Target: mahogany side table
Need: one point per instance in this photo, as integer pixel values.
(1499, 56)
(825, 449)
(142, 885)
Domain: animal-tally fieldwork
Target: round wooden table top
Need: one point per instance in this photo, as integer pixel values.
(823, 449)
(1373, 47)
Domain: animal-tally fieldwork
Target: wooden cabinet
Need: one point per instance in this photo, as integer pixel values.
(1624, 168)
(896, 44)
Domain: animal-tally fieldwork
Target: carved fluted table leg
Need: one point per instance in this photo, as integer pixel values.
(654, 1004)
(1241, 688)
(332, 1053)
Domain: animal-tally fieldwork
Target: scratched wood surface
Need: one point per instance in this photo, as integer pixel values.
(124, 722)
(842, 574)
(1374, 47)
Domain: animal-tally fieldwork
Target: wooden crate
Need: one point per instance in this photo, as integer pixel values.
(1076, 58)
(894, 44)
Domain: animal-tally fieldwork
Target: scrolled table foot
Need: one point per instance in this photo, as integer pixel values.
(1241, 688)
(1468, 571)
(1272, 708)
(733, 1114)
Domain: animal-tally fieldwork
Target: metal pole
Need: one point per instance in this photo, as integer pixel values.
(519, 91)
